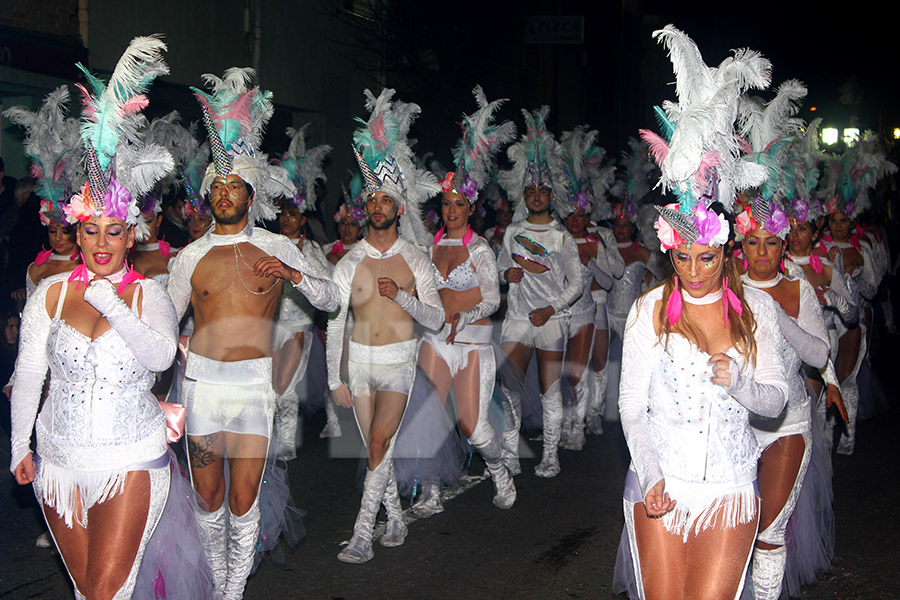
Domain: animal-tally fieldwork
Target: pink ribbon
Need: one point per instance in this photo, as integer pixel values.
(80, 275)
(42, 257)
(130, 277)
(674, 304)
(439, 235)
(337, 248)
(816, 263)
(467, 237)
(729, 297)
(165, 248)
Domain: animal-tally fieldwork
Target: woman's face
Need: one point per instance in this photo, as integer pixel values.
(198, 225)
(104, 242)
(839, 226)
(504, 217)
(577, 223)
(698, 268)
(153, 222)
(455, 211)
(622, 229)
(291, 221)
(348, 231)
(763, 251)
(62, 239)
(801, 238)
(12, 330)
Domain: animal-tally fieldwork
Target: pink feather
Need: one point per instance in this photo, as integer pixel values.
(659, 148)
(378, 132)
(707, 161)
(744, 145)
(36, 171)
(239, 110)
(674, 305)
(87, 102)
(59, 170)
(135, 104)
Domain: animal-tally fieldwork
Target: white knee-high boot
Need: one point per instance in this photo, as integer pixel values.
(285, 425)
(243, 533)
(359, 550)
(510, 442)
(332, 427)
(214, 536)
(396, 530)
(596, 402)
(551, 403)
(768, 571)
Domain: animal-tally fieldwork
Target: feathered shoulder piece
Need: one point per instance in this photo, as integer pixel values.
(481, 140)
(387, 163)
(304, 167)
(537, 160)
(53, 144)
(235, 117)
(698, 153)
(121, 166)
(587, 179)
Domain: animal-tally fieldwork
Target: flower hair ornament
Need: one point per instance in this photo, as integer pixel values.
(762, 213)
(53, 145)
(121, 165)
(354, 199)
(473, 155)
(235, 116)
(537, 160)
(587, 179)
(386, 161)
(698, 153)
(304, 167)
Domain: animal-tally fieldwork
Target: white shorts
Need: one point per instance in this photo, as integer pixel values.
(236, 397)
(388, 368)
(552, 336)
(456, 355)
(577, 321)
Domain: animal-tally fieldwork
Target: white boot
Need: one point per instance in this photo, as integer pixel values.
(332, 427)
(504, 487)
(396, 530)
(429, 503)
(243, 533)
(213, 532)
(510, 442)
(768, 571)
(552, 411)
(582, 395)
(285, 425)
(850, 393)
(359, 550)
(596, 403)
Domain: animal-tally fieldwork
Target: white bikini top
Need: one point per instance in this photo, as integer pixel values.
(461, 278)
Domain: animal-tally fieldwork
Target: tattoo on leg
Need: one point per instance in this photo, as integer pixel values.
(201, 450)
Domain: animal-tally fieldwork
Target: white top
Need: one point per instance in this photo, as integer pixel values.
(99, 414)
(425, 308)
(559, 287)
(295, 311)
(623, 294)
(609, 259)
(480, 271)
(676, 421)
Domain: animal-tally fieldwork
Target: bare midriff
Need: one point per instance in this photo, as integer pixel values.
(458, 302)
(378, 320)
(230, 322)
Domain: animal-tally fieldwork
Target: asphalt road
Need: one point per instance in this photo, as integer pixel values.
(558, 541)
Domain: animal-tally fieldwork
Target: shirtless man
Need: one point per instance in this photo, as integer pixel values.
(232, 278)
(389, 284)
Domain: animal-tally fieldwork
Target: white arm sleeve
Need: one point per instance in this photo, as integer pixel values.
(31, 369)
(840, 297)
(425, 307)
(181, 268)
(486, 273)
(807, 336)
(603, 279)
(318, 288)
(152, 337)
(571, 264)
(504, 258)
(337, 323)
(763, 389)
(614, 260)
(829, 376)
(634, 393)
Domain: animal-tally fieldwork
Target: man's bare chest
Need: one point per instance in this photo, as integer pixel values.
(364, 286)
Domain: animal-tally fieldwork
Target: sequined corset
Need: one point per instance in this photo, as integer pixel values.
(100, 407)
(701, 433)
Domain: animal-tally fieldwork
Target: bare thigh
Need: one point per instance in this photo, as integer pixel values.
(779, 466)
(207, 460)
(379, 418)
(436, 370)
(285, 362)
(467, 389)
(549, 368)
(578, 352)
(601, 349)
(662, 556)
(246, 463)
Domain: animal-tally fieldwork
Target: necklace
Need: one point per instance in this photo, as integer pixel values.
(710, 298)
(237, 267)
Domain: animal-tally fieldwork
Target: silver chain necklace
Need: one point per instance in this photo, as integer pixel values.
(237, 268)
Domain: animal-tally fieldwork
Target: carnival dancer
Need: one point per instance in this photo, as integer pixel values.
(295, 328)
(388, 283)
(101, 471)
(700, 353)
(587, 183)
(493, 193)
(461, 355)
(351, 221)
(53, 145)
(232, 278)
(539, 259)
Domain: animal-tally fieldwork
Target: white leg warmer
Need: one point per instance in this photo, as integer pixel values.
(510, 450)
(595, 407)
(213, 533)
(243, 533)
(395, 532)
(551, 403)
(768, 570)
(359, 550)
(333, 425)
(285, 425)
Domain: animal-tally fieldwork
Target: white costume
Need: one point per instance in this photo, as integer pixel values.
(235, 396)
(388, 368)
(559, 286)
(100, 420)
(693, 433)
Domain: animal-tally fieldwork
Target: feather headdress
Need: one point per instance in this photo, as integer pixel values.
(474, 152)
(121, 166)
(633, 183)
(587, 179)
(848, 179)
(698, 154)
(235, 117)
(354, 201)
(304, 167)
(537, 161)
(53, 144)
(387, 163)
